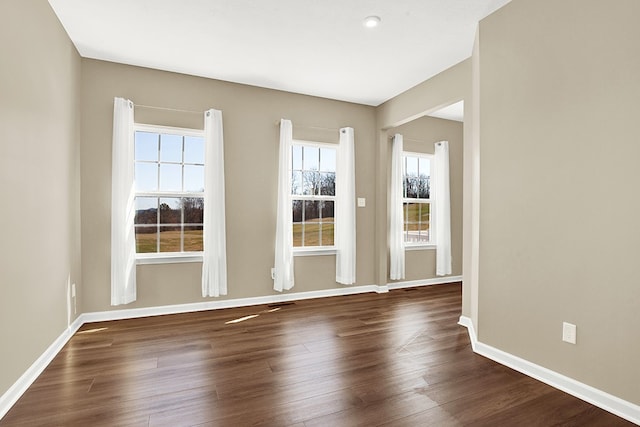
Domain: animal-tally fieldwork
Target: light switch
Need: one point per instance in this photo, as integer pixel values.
(362, 202)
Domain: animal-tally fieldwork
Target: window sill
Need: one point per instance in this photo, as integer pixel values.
(314, 251)
(427, 246)
(172, 258)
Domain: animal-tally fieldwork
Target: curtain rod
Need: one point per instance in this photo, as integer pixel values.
(411, 139)
(168, 109)
(312, 127)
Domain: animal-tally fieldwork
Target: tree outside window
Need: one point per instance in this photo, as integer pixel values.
(169, 181)
(313, 189)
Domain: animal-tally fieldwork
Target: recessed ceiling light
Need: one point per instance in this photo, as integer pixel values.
(371, 21)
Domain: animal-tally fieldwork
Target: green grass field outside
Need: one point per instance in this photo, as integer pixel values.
(312, 233)
(416, 212)
(416, 216)
(169, 241)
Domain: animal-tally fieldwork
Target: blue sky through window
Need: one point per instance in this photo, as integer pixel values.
(167, 162)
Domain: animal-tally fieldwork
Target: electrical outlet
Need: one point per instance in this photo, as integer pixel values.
(73, 290)
(273, 274)
(569, 333)
(362, 202)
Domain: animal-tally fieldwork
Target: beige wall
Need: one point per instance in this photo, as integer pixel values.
(559, 233)
(448, 87)
(39, 183)
(419, 136)
(250, 115)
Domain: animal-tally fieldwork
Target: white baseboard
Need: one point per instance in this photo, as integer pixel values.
(467, 323)
(11, 396)
(599, 398)
(220, 304)
(424, 282)
(268, 299)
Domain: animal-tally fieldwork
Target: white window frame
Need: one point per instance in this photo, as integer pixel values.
(431, 244)
(168, 257)
(314, 250)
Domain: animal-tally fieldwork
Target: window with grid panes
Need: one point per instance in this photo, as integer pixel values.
(416, 202)
(169, 186)
(313, 191)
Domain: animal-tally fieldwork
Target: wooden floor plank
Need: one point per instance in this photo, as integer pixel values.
(397, 359)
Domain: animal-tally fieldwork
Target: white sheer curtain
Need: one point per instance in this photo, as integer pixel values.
(396, 219)
(123, 240)
(442, 209)
(214, 262)
(283, 262)
(345, 210)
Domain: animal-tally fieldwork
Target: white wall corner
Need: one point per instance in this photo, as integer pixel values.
(468, 323)
(599, 398)
(11, 396)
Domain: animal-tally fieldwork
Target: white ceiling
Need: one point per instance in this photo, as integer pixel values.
(450, 112)
(311, 47)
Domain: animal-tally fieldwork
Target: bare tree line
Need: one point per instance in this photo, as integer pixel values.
(417, 186)
(313, 183)
(192, 208)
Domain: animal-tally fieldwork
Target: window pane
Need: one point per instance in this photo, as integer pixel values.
(296, 157)
(146, 176)
(311, 210)
(297, 234)
(297, 210)
(326, 210)
(170, 177)
(146, 239)
(170, 239)
(311, 234)
(193, 210)
(146, 146)
(193, 238)
(328, 184)
(170, 148)
(424, 212)
(194, 149)
(311, 158)
(413, 232)
(311, 183)
(411, 186)
(328, 159)
(424, 188)
(424, 167)
(417, 222)
(424, 233)
(424, 219)
(411, 212)
(146, 210)
(411, 166)
(193, 178)
(170, 212)
(327, 232)
(296, 183)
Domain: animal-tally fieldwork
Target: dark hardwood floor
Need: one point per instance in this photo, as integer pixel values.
(396, 359)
